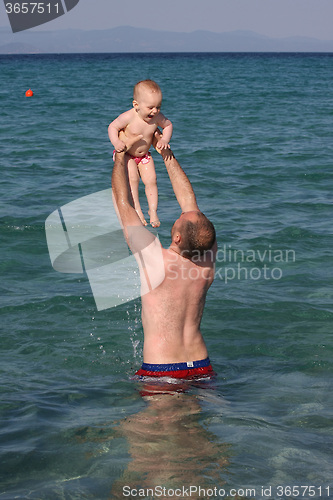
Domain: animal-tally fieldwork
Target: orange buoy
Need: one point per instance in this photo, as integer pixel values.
(29, 93)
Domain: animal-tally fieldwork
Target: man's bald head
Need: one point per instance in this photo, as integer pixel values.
(197, 234)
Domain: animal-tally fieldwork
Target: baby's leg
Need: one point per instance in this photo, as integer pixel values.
(134, 179)
(148, 176)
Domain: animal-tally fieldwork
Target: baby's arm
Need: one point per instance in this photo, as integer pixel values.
(167, 127)
(118, 124)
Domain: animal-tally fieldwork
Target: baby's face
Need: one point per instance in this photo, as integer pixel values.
(148, 105)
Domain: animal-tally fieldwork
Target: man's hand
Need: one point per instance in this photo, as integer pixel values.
(120, 146)
(128, 142)
(162, 144)
(157, 140)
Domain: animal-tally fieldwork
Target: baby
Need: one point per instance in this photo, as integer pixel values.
(143, 119)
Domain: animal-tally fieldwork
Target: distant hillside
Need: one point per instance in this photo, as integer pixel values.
(19, 48)
(129, 39)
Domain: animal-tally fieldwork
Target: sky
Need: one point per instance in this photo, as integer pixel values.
(274, 18)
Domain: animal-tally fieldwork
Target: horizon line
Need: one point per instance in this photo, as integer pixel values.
(276, 37)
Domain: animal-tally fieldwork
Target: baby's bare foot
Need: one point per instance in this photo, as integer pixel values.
(154, 220)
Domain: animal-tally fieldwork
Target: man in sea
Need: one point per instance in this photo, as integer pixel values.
(172, 311)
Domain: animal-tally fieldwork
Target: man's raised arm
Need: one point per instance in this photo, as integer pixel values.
(144, 245)
(180, 182)
(121, 191)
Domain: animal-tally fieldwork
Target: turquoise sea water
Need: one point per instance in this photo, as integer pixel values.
(254, 134)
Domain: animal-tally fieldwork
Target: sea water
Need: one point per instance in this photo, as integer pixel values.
(254, 134)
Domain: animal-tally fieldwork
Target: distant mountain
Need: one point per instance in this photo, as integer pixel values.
(19, 48)
(129, 39)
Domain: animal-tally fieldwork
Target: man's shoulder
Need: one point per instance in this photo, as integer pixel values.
(149, 255)
(140, 239)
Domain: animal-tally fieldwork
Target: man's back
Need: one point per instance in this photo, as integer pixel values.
(172, 312)
(178, 280)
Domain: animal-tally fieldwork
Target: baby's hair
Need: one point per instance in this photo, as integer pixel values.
(145, 85)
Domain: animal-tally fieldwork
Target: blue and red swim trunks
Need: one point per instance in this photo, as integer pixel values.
(187, 370)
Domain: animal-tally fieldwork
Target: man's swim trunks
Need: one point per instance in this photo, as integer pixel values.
(189, 370)
(138, 159)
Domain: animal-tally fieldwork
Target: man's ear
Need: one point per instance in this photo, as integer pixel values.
(177, 237)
